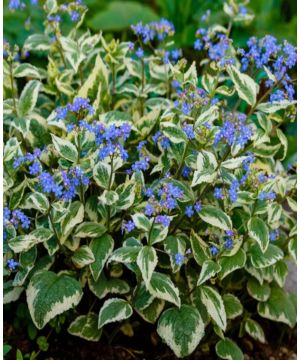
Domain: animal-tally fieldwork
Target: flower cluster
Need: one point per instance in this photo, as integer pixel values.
(80, 107)
(49, 185)
(234, 130)
(218, 46)
(163, 200)
(277, 57)
(154, 30)
(190, 98)
(72, 180)
(15, 218)
(32, 159)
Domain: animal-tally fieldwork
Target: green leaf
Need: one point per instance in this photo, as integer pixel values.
(233, 163)
(200, 248)
(151, 313)
(126, 194)
(281, 271)
(261, 260)
(90, 87)
(292, 246)
(89, 230)
(108, 197)
(49, 294)
(83, 256)
(214, 305)
(74, 216)
(227, 349)
(104, 286)
(141, 221)
(102, 175)
(36, 201)
(158, 233)
(65, 148)
(28, 70)
(279, 307)
(174, 245)
(209, 269)
(233, 306)
(11, 293)
(113, 19)
(244, 84)
(174, 132)
(181, 329)
(231, 263)
(39, 42)
(162, 287)
(147, 261)
(259, 231)
(125, 254)
(86, 327)
(25, 242)
(255, 330)
(273, 107)
(28, 97)
(102, 248)
(206, 166)
(284, 142)
(260, 292)
(215, 217)
(114, 310)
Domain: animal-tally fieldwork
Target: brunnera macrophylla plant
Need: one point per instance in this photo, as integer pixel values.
(140, 186)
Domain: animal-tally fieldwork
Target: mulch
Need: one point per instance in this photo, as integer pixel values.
(144, 345)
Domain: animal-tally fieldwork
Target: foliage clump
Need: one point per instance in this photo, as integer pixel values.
(140, 185)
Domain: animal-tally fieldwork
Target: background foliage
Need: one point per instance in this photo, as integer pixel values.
(275, 17)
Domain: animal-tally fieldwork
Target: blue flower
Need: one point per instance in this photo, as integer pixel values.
(12, 264)
(139, 53)
(218, 193)
(228, 244)
(189, 212)
(149, 209)
(129, 226)
(198, 206)
(214, 250)
(198, 44)
(233, 190)
(189, 131)
(163, 219)
(186, 171)
(179, 259)
(75, 16)
(273, 235)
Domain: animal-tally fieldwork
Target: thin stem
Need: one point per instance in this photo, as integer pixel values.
(12, 86)
(109, 187)
(151, 228)
(142, 100)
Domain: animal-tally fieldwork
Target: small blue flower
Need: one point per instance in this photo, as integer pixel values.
(179, 259)
(218, 193)
(129, 226)
(186, 171)
(139, 53)
(75, 16)
(163, 219)
(12, 264)
(189, 212)
(198, 44)
(273, 235)
(214, 250)
(198, 206)
(228, 244)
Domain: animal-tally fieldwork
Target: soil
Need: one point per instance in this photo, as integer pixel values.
(146, 346)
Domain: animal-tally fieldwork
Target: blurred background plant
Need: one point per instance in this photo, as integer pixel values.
(114, 17)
